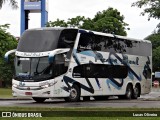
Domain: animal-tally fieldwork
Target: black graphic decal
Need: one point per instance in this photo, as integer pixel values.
(147, 69)
(68, 80)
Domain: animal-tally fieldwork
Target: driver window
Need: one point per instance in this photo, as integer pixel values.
(60, 65)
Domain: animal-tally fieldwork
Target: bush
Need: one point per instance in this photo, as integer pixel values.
(7, 42)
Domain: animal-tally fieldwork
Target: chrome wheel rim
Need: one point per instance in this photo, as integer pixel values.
(136, 91)
(73, 93)
(129, 93)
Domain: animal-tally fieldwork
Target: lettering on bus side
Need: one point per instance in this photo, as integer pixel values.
(126, 60)
(111, 60)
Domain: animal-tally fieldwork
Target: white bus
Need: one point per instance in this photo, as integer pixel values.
(72, 63)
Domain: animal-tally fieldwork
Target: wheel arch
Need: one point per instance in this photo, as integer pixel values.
(78, 84)
(131, 84)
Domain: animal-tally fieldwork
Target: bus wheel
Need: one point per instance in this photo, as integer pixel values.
(136, 92)
(39, 100)
(74, 94)
(129, 92)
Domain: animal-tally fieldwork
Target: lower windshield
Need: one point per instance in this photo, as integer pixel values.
(36, 69)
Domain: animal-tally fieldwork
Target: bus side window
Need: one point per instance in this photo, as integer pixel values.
(59, 66)
(67, 38)
(100, 71)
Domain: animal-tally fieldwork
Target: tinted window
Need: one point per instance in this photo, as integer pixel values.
(60, 66)
(46, 40)
(38, 40)
(94, 42)
(67, 38)
(100, 71)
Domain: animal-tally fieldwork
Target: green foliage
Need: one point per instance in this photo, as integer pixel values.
(155, 39)
(108, 21)
(7, 42)
(76, 22)
(60, 23)
(156, 59)
(13, 3)
(152, 7)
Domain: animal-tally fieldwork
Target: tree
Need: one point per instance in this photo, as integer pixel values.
(57, 23)
(108, 21)
(155, 39)
(76, 22)
(156, 59)
(7, 42)
(13, 3)
(152, 7)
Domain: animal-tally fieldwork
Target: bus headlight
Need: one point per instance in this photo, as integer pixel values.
(45, 86)
(15, 85)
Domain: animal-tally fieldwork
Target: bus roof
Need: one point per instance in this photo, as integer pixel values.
(95, 32)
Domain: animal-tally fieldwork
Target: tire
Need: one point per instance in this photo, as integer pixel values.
(129, 92)
(136, 92)
(39, 100)
(74, 94)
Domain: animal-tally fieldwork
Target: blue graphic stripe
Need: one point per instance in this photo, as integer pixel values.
(88, 53)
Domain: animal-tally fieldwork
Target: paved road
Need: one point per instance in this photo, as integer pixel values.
(151, 100)
(108, 103)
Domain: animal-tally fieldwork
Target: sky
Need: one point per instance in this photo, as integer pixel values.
(139, 25)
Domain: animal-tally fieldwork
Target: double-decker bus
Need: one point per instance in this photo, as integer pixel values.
(71, 63)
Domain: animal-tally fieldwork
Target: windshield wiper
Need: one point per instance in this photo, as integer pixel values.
(43, 71)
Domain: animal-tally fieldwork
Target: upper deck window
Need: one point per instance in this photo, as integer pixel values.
(90, 41)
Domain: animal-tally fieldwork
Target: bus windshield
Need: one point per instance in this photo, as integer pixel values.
(46, 40)
(32, 69)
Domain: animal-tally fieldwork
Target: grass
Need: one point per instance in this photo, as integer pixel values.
(5, 92)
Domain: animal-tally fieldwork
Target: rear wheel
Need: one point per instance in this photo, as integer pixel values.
(129, 92)
(74, 94)
(136, 92)
(39, 100)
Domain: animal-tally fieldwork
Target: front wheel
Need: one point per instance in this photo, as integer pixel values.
(74, 94)
(39, 100)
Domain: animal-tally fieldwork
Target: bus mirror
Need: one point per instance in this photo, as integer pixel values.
(56, 52)
(6, 56)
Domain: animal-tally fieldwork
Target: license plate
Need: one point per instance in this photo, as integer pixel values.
(28, 93)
